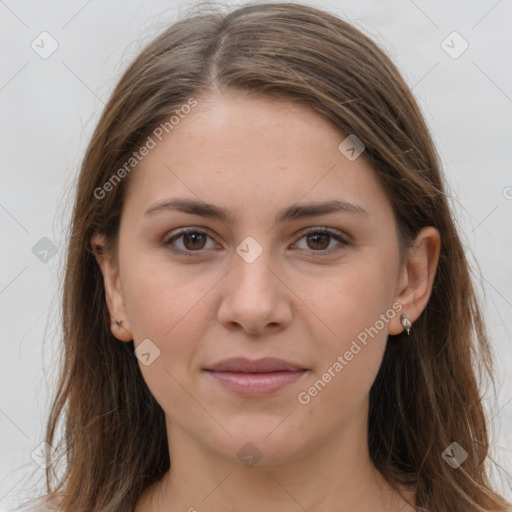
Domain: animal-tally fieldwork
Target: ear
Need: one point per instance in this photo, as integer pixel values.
(113, 290)
(417, 277)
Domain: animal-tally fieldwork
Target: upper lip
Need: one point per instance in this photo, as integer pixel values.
(244, 365)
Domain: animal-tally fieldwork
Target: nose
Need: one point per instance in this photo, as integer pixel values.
(255, 297)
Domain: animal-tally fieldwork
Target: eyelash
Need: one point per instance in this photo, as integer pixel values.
(334, 234)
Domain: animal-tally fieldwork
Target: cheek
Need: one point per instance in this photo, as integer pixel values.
(171, 309)
(161, 298)
(356, 306)
(354, 296)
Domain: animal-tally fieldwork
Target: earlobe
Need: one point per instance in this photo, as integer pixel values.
(417, 279)
(121, 331)
(114, 297)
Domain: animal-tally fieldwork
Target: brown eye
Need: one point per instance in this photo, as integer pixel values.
(188, 241)
(194, 241)
(319, 240)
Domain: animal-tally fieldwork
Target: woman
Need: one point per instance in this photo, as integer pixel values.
(267, 304)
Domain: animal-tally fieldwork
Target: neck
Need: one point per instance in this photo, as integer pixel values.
(335, 474)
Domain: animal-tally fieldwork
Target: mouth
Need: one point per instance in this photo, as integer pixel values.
(255, 377)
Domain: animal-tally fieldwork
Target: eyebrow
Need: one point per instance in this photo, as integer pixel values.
(290, 213)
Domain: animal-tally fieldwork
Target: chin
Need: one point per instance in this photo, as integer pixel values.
(261, 443)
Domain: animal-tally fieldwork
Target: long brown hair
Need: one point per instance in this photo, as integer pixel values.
(426, 394)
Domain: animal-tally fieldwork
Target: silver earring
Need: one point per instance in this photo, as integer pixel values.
(406, 323)
(119, 323)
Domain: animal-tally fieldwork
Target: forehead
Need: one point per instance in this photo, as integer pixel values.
(253, 151)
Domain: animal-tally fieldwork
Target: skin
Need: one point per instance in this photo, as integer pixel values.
(255, 156)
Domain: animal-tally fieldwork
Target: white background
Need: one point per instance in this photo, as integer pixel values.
(49, 108)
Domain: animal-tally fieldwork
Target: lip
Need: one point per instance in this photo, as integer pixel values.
(244, 365)
(255, 377)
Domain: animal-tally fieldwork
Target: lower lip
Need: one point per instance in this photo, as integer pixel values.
(256, 384)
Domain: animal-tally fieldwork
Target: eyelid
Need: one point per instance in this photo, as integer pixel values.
(324, 229)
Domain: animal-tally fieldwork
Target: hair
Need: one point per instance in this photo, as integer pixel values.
(426, 394)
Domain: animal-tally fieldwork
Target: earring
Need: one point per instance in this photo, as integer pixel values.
(406, 323)
(119, 323)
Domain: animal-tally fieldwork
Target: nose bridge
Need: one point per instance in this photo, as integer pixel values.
(252, 297)
(251, 267)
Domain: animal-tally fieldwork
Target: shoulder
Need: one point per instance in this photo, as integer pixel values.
(37, 505)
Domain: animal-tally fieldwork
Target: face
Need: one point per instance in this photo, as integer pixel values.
(319, 290)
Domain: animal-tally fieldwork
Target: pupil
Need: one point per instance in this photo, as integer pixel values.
(192, 236)
(319, 235)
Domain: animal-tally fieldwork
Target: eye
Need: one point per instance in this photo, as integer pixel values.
(319, 239)
(193, 240)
